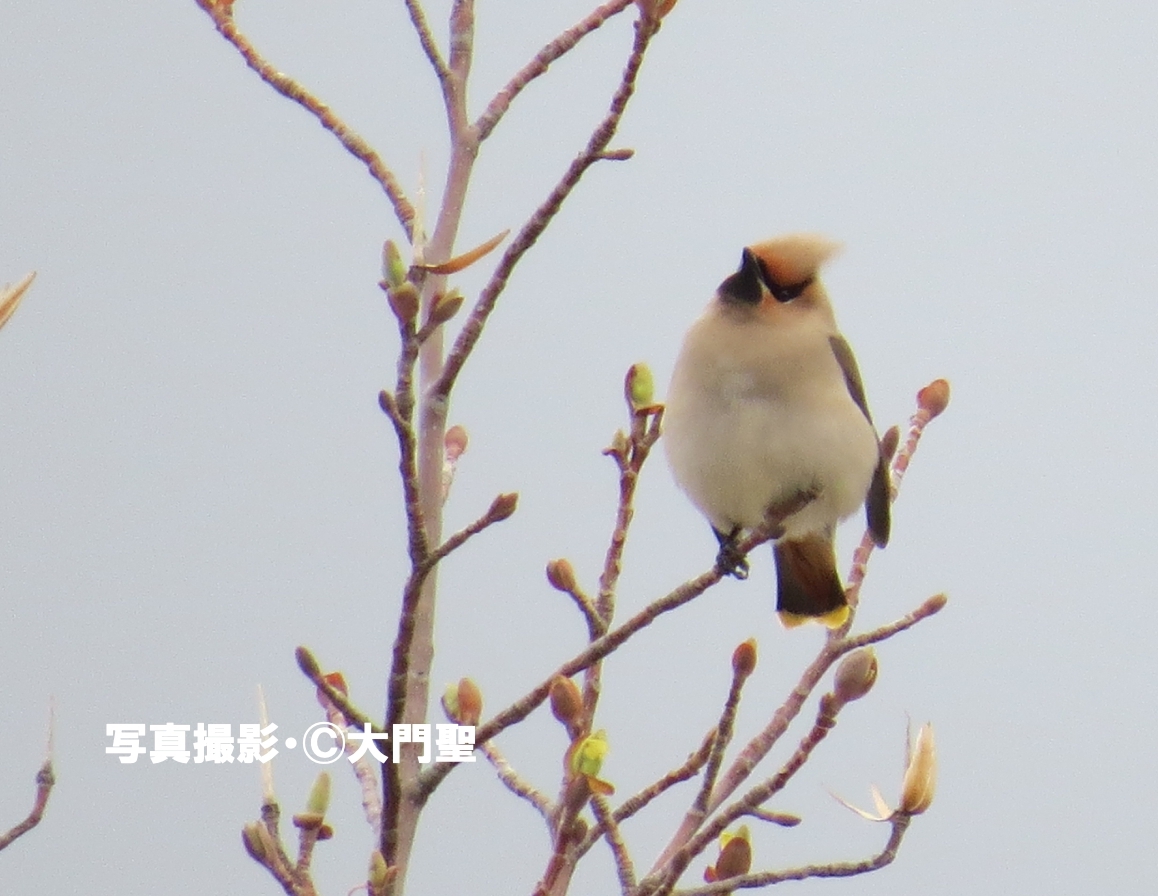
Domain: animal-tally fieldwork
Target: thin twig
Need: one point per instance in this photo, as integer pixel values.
(635, 803)
(45, 779)
(516, 785)
(614, 838)
(899, 823)
(933, 605)
(310, 668)
(630, 464)
(669, 873)
(900, 464)
(724, 729)
(595, 625)
(784, 819)
(597, 650)
(292, 90)
(762, 743)
(493, 515)
(645, 29)
(365, 772)
(418, 18)
(418, 546)
(539, 64)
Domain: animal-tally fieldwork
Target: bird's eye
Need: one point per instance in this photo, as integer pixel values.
(787, 293)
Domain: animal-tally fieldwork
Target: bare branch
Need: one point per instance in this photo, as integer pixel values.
(637, 802)
(501, 508)
(784, 819)
(292, 90)
(645, 29)
(515, 784)
(724, 729)
(418, 18)
(611, 833)
(899, 823)
(900, 464)
(933, 605)
(310, 668)
(45, 779)
(562, 44)
(597, 650)
(668, 871)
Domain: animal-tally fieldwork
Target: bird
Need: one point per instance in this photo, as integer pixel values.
(766, 410)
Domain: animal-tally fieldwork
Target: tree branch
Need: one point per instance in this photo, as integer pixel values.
(899, 823)
(562, 44)
(645, 29)
(292, 90)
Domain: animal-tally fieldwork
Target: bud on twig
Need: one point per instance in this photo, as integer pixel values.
(855, 675)
(255, 837)
(503, 506)
(462, 702)
(393, 267)
(469, 702)
(455, 442)
(380, 874)
(445, 307)
(934, 398)
(307, 663)
(561, 575)
(403, 301)
(566, 700)
(744, 659)
(586, 760)
(920, 780)
(639, 387)
(735, 856)
(319, 799)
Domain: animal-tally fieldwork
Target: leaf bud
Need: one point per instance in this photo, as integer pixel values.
(934, 398)
(561, 575)
(566, 700)
(744, 659)
(394, 270)
(855, 675)
(445, 306)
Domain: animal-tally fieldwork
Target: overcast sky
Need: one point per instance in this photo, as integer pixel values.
(195, 476)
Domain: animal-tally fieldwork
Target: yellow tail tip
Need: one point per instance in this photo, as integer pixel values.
(832, 619)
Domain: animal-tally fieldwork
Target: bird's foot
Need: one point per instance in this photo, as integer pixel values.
(729, 561)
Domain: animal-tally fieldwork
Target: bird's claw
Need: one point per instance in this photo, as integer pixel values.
(730, 562)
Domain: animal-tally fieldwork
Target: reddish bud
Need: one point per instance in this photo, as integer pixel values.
(454, 443)
(934, 398)
(744, 659)
(503, 506)
(566, 700)
(469, 702)
(561, 575)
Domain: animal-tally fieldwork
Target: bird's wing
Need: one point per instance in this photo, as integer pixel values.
(878, 497)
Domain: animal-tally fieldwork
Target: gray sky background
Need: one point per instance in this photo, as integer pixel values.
(195, 477)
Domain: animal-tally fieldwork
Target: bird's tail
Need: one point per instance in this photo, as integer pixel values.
(807, 584)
